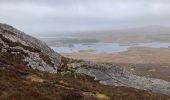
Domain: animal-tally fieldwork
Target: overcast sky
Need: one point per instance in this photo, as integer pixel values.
(36, 16)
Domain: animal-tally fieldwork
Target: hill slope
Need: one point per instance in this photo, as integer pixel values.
(16, 45)
(30, 70)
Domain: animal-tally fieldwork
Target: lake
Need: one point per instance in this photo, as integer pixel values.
(106, 47)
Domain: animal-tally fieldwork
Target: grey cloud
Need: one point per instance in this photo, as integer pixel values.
(75, 15)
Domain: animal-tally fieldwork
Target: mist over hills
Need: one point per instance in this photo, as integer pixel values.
(150, 30)
(153, 29)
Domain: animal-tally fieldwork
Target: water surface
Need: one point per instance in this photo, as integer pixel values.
(106, 47)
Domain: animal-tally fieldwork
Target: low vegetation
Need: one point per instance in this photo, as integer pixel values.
(18, 82)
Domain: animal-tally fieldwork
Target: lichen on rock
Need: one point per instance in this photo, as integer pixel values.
(28, 50)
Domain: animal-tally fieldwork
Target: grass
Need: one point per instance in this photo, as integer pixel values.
(36, 85)
(100, 96)
(35, 78)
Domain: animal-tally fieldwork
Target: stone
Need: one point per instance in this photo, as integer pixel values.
(35, 53)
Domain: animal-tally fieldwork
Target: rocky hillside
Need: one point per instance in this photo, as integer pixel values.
(16, 45)
(110, 74)
(30, 70)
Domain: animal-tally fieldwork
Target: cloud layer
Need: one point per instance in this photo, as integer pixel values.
(76, 15)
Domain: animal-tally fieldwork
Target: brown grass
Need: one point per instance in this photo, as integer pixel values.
(58, 87)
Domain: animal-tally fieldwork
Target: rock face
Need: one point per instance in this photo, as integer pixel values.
(110, 74)
(17, 47)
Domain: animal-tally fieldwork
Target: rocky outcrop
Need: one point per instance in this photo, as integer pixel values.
(109, 74)
(17, 47)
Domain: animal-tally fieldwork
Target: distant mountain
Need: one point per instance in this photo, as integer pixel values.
(154, 29)
(147, 30)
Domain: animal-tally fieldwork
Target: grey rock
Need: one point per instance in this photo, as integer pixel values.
(39, 55)
(109, 74)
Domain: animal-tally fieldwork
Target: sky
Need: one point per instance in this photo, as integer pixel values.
(38, 16)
